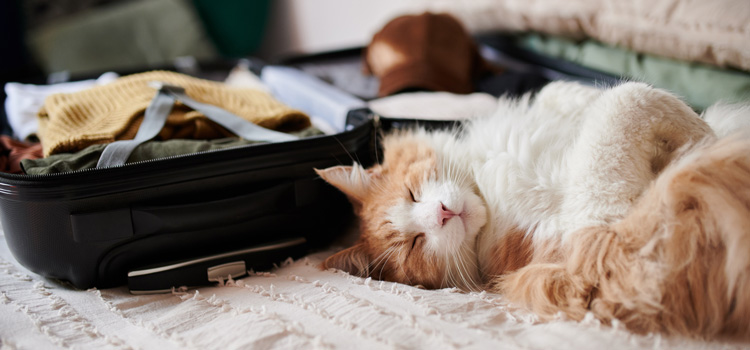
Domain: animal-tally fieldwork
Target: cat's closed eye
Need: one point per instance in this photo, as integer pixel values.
(411, 195)
(416, 240)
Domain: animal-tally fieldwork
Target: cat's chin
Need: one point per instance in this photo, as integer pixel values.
(448, 238)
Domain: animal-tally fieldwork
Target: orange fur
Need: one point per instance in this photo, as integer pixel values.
(406, 162)
(678, 263)
(512, 252)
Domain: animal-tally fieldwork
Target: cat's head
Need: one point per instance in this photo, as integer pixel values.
(419, 214)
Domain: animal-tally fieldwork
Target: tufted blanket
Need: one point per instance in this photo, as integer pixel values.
(295, 306)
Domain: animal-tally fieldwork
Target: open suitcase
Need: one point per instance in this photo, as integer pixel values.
(182, 220)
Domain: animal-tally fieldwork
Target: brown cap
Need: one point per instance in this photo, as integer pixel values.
(428, 51)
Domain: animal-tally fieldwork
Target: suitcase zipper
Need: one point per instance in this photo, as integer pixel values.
(373, 118)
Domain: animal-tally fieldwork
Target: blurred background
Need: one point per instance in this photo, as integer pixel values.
(50, 41)
(41, 37)
(697, 49)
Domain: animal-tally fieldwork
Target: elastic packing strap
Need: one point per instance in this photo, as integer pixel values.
(118, 152)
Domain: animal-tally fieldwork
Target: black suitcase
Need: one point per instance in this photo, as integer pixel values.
(182, 220)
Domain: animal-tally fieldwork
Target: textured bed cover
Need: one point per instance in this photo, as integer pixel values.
(295, 306)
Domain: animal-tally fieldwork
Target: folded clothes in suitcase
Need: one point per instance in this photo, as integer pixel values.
(189, 219)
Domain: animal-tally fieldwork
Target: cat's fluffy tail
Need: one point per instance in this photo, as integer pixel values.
(678, 263)
(699, 211)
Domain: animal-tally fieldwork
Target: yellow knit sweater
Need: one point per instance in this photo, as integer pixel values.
(73, 121)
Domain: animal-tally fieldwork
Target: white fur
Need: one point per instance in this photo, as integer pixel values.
(575, 156)
(726, 118)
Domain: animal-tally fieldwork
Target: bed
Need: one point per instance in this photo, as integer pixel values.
(296, 305)
(293, 306)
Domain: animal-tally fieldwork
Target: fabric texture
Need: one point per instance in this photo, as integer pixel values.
(13, 152)
(428, 51)
(294, 306)
(311, 95)
(346, 73)
(713, 32)
(680, 77)
(241, 76)
(435, 105)
(23, 101)
(89, 157)
(72, 122)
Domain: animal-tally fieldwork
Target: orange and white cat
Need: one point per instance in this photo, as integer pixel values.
(614, 201)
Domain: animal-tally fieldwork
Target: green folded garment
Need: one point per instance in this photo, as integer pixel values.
(88, 157)
(701, 85)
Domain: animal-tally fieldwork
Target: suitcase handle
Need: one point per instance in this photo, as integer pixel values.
(213, 268)
(125, 223)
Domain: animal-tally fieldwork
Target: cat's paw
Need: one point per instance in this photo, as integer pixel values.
(546, 289)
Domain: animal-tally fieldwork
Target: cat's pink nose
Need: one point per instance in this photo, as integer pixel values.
(444, 214)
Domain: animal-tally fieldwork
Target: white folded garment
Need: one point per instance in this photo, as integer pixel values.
(311, 95)
(241, 76)
(23, 101)
(435, 105)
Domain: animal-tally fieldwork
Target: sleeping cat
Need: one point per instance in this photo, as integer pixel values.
(614, 201)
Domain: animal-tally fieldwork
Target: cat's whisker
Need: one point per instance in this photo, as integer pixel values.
(379, 138)
(385, 256)
(456, 172)
(347, 151)
(448, 275)
(450, 269)
(457, 263)
(385, 262)
(381, 259)
(470, 265)
(456, 271)
(458, 268)
(408, 280)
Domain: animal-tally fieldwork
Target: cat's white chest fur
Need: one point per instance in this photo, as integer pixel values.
(577, 156)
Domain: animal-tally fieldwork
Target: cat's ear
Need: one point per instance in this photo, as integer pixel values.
(353, 260)
(354, 180)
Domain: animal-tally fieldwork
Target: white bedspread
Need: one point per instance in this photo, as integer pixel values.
(295, 306)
